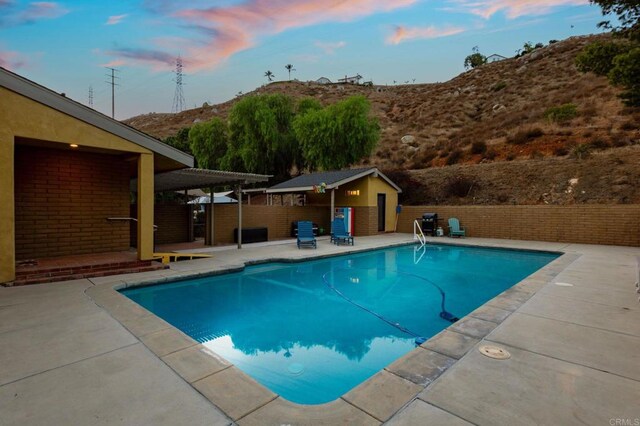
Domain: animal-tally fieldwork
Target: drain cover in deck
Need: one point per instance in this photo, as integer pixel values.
(494, 352)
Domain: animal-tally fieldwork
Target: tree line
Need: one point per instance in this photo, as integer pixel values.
(618, 59)
(277, 135)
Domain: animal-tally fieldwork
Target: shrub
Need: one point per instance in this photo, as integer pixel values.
(625, 73)
(562, 113)
(536, 155)
(581, 151)
(598, 57)
(478, 147)
(561, 151)
(475, 60)
(629, 125)
(459, 186)
(423, 159)
(564, 133)
(599, 143)
(454, 157)
(619, 140)
(523, 136)
(491, 154)
(414, 191)
(498, 86)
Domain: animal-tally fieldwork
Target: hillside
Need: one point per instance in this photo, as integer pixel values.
(517, 156)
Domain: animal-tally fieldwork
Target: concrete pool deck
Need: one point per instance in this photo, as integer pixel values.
(77, 352)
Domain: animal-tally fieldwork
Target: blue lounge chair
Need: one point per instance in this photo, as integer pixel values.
(455, 230)
(305, 235)
(339, 233)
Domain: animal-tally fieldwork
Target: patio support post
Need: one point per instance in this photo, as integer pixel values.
(189, 216)
(7, 208)
(211, 221)
(145, 206)
(239, 217)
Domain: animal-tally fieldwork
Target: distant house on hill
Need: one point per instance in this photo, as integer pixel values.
(495, 58)
(351, 80)
(323, 80)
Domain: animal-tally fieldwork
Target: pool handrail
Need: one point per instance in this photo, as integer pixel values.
(418, 234)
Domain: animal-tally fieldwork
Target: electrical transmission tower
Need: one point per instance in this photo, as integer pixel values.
(113, 89)
(178, 98)
(91, 97)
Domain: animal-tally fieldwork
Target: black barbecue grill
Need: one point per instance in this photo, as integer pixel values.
(430, 223)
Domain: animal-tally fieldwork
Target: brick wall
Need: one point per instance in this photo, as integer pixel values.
(366, 221)
(276, 218)
(62, 200)
(173, 223)
(588, 224)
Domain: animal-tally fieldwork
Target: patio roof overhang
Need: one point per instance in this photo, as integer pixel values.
(200, 178)
(186, 179)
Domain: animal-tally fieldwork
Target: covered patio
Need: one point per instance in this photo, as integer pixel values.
(192, 178)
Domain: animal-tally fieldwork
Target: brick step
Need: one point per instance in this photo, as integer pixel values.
(79, 271)
(73, 269)
(26, 280)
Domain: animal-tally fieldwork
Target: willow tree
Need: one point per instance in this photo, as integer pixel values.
(338, 135)
(261, 136)
(208, 142)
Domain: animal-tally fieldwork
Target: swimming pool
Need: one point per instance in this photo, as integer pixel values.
(311, 331)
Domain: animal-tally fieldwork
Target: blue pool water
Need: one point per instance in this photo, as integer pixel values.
(312, 331)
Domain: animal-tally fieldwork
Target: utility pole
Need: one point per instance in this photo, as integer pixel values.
(113, 89)
(91, 97)
(178, 97)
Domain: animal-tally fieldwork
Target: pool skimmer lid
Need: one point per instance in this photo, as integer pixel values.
(494, 352)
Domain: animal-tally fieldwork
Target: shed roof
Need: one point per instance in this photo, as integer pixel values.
(199, 178)
(48, 97)
(333, 179)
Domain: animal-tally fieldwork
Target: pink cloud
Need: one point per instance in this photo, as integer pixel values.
(330, 48)
(40, 10)
(114, 63)
(13, 16)
(115, 19)
(12, 60)
(227, 30)
(512, 8)
(403, 33)
(158, 60)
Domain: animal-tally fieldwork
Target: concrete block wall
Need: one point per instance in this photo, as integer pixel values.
(173, 223)
(62, 200)
(276, 218)
(366, 221)
(587, 224)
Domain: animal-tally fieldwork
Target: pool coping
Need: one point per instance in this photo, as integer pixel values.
(373, 401)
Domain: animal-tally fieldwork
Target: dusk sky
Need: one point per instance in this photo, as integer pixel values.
(227, 45)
